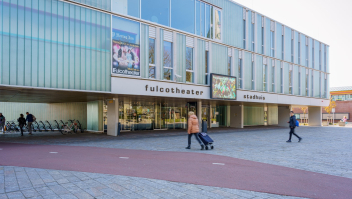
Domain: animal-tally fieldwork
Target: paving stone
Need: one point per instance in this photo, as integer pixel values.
(15, 195)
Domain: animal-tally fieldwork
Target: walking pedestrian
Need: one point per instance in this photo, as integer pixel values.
(30, 120)
(292, 127)
(21, 123)
(2, 122)
(193, 129)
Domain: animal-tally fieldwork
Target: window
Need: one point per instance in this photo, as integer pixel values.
(292, 50)
(229, 66)
(206, 67)
(253, 75)
(290, 76)
(325, 69)
(253, 37)
(126, 7)
(151, 58)
(320, 57)
(299, 82)
(299, 52)
(200, 18)
(189, 65)
(240, 74)
(182, 15)
(273, 78)
(265, 78)
(263, 40)
(208, 20)
(272, 39)
(326, 88)
(217, 24)
(167, 61)
(282, 47)
(313, 66)
(320, 85)
(312, 91)
(282, 79)
(157, 11)
(244, 34)
(307, 54)
(307, 83)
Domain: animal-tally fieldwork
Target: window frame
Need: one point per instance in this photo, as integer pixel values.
(192, 62)
(172, 66)
(150, 64)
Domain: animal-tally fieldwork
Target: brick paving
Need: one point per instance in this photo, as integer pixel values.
(323, 149)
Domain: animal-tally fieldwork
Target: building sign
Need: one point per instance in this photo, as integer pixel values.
(223, 87)
(256, 97)
(173, 90)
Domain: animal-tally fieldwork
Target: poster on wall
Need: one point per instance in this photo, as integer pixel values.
(125, 53)
(223, 87)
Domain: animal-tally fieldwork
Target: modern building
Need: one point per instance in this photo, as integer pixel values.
(147, 63)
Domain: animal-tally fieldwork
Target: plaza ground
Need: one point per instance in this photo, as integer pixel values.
(325, 153)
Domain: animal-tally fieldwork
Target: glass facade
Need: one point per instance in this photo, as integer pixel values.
(81, 47)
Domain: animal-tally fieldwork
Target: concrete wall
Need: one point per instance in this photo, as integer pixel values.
(50, 112)
(283, 116)
(314, 116)
(236, 116)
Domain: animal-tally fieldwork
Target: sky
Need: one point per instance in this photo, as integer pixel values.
(328, 21)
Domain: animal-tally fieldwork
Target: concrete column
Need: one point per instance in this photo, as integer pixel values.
(314, 116)
(283, 116)
(236, 118)
(199, 113)
(113, 116)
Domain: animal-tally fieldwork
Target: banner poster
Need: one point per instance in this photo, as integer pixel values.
(125, 53)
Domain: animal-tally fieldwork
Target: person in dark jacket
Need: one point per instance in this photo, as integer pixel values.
(2, 122)
(21, 123)
(292, 127)
(29, 119)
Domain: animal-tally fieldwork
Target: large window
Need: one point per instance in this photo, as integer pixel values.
(240, 73)
(206, 67)
(151, 58)
(157, 11)
(265, 77)
(189, 65)
(182, 15)
(167, 61)
(208, 21)
(217, 24)
(229, 66)
(272, 43)
(126, 7)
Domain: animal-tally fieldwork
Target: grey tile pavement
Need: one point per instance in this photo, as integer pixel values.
(92, 185)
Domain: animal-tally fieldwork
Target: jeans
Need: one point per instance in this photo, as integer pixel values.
(21, 128)
(196, 135)
(29, 125)
(292, 131)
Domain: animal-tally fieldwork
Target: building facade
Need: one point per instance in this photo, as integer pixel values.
(150, 61)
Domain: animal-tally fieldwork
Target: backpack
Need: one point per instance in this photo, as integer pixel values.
(297, 123)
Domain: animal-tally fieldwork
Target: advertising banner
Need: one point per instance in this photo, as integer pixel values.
(125, 53)
(223, 87)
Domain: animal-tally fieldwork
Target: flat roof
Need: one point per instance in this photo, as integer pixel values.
(343, 88)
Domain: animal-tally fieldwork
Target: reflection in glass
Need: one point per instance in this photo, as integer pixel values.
(189, 64)
(207, 21)
(182, 15)
(168, 74)
(126, 7)
(218, 24)
(157, 11)
(151, 51)
(167, 61)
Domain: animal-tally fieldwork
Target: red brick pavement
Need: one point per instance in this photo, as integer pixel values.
(187, 167)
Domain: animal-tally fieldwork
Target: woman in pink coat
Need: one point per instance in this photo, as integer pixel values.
(193, 129)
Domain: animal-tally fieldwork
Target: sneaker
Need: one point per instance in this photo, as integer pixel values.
(188, 147)
(202, 147)
(288, 141)
(299, 139)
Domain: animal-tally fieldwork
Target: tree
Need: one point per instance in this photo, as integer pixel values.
(329, 108)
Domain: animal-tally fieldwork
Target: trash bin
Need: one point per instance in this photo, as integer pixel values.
(118, 128)
(204, 126)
